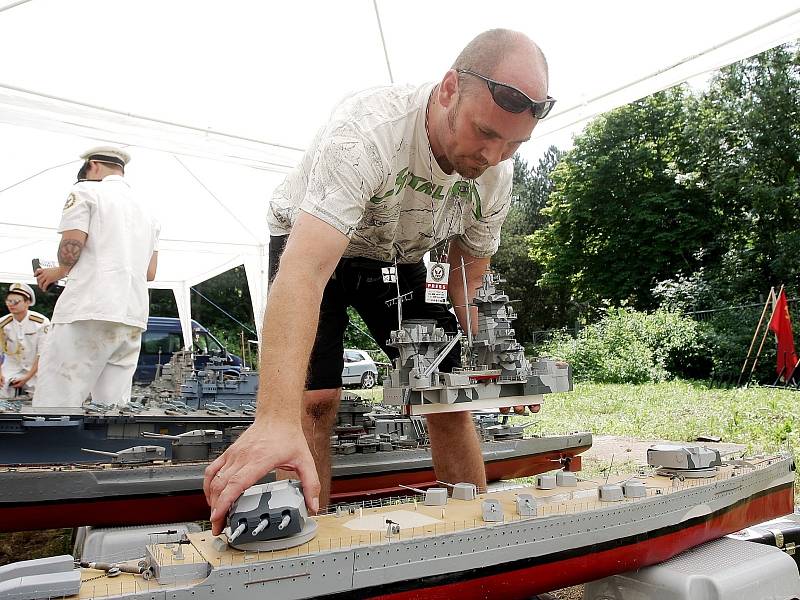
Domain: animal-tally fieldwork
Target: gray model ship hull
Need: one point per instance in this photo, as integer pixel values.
(41, 436)
(37, 497)
(572, 539)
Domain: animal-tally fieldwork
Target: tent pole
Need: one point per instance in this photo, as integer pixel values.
(755, 335)
(764, 337)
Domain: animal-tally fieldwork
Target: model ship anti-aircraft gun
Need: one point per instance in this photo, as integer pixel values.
(496, 374)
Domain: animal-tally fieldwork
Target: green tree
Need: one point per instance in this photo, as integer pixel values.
(748, 139)
(537, 308)
(620, 218)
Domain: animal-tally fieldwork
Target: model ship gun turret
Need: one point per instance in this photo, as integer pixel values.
(684, 461)
(271, 516)
(497, 373)
(135, 454)
(198, 444)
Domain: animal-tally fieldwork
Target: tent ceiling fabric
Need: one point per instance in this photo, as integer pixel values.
(215, 100)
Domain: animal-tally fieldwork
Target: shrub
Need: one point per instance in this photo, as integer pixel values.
(627, 346)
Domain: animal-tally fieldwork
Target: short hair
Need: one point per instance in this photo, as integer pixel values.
(488, 49)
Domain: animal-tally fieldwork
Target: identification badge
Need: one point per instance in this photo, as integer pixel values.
(436, 283)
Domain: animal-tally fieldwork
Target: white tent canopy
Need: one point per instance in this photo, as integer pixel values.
(215, 100)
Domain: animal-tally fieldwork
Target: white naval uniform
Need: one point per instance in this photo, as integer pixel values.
(98, 320)
(20, 343)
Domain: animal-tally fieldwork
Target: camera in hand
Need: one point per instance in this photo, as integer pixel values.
(37, 263)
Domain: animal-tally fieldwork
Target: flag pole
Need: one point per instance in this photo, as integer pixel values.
(755, 334)
(793, 370)
(764, 338)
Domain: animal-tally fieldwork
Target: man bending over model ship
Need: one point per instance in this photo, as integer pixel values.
(397, 171)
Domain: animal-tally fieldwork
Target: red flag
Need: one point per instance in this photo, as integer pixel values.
(781, 325)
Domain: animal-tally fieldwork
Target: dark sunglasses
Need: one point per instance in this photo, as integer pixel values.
(513, 100)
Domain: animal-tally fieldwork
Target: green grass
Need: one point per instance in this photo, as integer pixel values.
(763, 419)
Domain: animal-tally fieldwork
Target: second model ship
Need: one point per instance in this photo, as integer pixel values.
(144, 463)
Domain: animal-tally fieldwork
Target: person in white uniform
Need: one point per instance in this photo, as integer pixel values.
(22, 334)
(108, 252)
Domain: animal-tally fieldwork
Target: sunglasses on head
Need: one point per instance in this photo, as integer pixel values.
(511, 99)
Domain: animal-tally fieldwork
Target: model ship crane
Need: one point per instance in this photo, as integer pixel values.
(497, 373)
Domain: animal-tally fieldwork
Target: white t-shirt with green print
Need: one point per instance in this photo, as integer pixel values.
(370, 174)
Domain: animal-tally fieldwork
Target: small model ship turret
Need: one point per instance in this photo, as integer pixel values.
(134, 454)
(270, 516)
(684, 461)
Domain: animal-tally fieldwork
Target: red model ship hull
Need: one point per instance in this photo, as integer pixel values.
(191, 505)
(521, 580)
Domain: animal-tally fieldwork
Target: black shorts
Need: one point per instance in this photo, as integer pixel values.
(358, 282)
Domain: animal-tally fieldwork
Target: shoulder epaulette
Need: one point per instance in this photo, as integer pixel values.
(35, 317)
(6, 320)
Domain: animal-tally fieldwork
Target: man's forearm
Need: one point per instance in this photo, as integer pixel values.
(34, 367)
(290, 326)
(474, 269)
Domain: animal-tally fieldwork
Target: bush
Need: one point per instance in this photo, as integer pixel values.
(627, 346)
(730, 334)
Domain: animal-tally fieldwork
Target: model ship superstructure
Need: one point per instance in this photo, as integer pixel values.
(497, 373)
(504, 544)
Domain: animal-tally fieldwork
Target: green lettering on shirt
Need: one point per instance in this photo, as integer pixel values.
(466, 190)
(376, 199)
(415, 179)
(475, 198)
(426, 188)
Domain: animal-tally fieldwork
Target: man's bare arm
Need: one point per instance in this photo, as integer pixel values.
(276, 439)
(475, 267)
(152, 267)
(69, 252)
(70, 248)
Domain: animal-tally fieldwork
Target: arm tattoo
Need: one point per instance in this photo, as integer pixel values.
(69, 251)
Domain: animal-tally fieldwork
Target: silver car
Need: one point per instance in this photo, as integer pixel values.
(359, 369)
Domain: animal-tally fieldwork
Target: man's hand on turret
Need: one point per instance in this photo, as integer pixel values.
(258, 451)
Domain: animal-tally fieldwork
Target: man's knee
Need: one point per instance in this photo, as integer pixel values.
(455, 422)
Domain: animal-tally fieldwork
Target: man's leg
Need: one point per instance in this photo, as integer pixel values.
(69, 365)
(455, 446)
(113, 386)
(455, 449)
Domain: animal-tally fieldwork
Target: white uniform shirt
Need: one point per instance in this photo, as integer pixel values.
(370, 174)
(109, 281)
(21, 341)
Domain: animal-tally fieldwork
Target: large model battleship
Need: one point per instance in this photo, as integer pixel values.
(144, 463)
(508, 544)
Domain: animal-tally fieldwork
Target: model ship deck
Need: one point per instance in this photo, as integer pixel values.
(567, 517)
